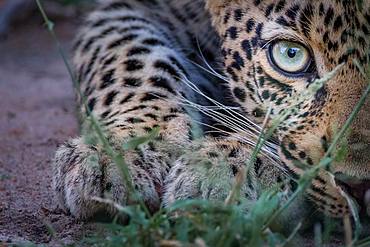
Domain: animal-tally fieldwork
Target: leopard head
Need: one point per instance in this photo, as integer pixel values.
(273, 51)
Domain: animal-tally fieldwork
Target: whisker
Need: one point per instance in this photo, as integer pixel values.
(230, 111)
(223, 119)
(207, 64)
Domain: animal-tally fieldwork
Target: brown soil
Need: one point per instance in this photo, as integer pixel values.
(36, 115)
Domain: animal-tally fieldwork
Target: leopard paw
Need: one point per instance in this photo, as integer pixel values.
(80, 175)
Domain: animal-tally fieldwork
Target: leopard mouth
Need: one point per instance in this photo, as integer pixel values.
(357, 189)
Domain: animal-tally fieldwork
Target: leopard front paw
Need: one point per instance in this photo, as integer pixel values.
(200, 179)
(80, 176)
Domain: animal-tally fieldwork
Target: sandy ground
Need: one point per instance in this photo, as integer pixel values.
(36, 115)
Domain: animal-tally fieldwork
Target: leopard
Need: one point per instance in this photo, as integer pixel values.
(210, 76)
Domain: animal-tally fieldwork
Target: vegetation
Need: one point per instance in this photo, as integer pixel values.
(204, 223)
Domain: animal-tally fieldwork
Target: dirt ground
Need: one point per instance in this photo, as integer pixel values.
(37, 113)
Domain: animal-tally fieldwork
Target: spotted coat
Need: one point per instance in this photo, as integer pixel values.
(192, 67)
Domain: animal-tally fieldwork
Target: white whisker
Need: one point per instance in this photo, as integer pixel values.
(208, 65)
(232, 112)
(223, 119)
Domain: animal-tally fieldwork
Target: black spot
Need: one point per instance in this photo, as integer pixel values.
(250, 25)
(100, 22)
(91, 104)
(122, 41)
(153, 42)
(238, 61)
(132, 82)
(257, 2)
(268, 10)
(266, 94)
(135, 120)
(332, 45)
(257, 112)
(321, 9)
(138, 51)
(325, 37)
(281, 21)
(329, 16)
(134, 28)
(107, 79)
(139, 107)
(212, 154)
(133, 65)
(365, 29)
(240, 93)
(302, 155)
(152, 116)
(292, 12)
(292, 146)
(133, 18)
(116, 5)
(259, 30)
(321, 96)
(179, 65)
(247, 49)
(90, 64)
(109, 61)
(338, 23)
(232, 32)
(234, 170)
(127, 98)
(309, 161)
(167, 68)
(257, 166)
(286, 153)
(226, 17)
(110, 122)
(152, 96)
(233, 153)
(238, 15)
(89, 43)
(305, 19)
(110, 97)
(105, 114)
(279, 6)
(169, 117)
(261, 81)
(231, 72)
(325, 143)
(259, 70)
(161, 82)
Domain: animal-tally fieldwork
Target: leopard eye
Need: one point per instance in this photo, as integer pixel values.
(290, 56)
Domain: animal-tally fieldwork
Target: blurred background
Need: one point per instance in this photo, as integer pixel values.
(37, 113)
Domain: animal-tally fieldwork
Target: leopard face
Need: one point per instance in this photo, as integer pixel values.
(274, 50)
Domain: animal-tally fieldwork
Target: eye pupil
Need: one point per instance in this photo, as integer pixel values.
(292, 52)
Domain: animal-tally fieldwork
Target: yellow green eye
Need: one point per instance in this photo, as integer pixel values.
(290, 56)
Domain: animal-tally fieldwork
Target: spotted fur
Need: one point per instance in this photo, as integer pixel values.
(139, 67)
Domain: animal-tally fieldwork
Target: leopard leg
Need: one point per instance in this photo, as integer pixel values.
(211, 170)
(79, 175)
(130, 74)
